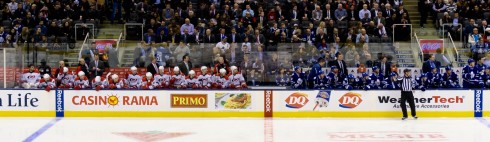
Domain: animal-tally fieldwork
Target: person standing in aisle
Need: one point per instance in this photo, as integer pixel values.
(406, 83)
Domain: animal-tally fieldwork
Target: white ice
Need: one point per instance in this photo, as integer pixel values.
(246, 130)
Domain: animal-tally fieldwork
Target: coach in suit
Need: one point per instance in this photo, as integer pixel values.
(96, 67)
(431, 63)
(340, 64)
(384, 66)
(153, 67)
(185, 66)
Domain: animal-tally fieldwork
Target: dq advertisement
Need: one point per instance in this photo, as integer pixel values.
(430, 46)
(27, 100)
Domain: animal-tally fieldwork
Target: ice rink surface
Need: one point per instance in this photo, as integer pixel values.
(244, 130)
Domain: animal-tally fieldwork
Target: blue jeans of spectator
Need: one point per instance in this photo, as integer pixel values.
(116, 7)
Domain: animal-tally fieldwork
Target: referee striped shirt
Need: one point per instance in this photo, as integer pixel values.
(406, 83)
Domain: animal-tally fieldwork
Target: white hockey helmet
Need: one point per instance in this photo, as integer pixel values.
(204, 68)
(65, 69)
(222, 71)
(161, 68)
(192, 72)
(46, 76)
(81, 74)
(97, 79)
(176, 69)
(133, 68)
(115, 76)
(148, 74)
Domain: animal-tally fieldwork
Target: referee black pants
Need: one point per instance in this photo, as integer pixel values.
(407, 96)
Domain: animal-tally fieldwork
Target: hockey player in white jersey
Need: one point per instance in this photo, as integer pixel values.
(47, 83)
(99, 83)
(162, 80)
(192, 81)
(220, 81)
(134, 79)
(30, 79)
(177, 80)
(148, 82)
(236, 80)
(116, 83)
(205, 79)
(65, 79)
(81, 82)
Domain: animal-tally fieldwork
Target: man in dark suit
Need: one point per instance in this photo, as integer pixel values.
(209, 37)
(187, 38)
(162, 37)
(353, 14)
(340, 64)
(153, 67)
(430, 63)
(96, 67)
(384, 66)
(185, 66)
(149, 37)
(259, 38)
(234, 37)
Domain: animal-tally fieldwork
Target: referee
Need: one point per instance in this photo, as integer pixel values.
(406, 94)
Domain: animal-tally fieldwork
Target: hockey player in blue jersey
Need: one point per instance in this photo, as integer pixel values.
(422, 82)
(351, 82)
(321, 81)
(486, 78)
(298, 79)
(391, 82)
(450, 79)
(435, 78)
(365, 82)
(480, 67)
(377, 78)
(314, 72)
(162, 54)
(471, 76)
(282, 79)
(335, 79)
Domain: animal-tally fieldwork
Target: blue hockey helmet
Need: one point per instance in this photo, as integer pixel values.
(320, 72)
(351, 76)
(365, 74)
(470, 61)
(448, 68)
(333, 67)
(393, 74)
(296, 68)
(423, 75)
(375, 68)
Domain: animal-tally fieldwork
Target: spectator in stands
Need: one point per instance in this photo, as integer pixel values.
(437, 8)
(187, 37)
(366, 19)
(180, 51)
(149, 37)
(353, 14)
(188, 26)
(318, 13)
(223, 46)
(430, 64)
(381, 31)
(364, 11)
(362, 34)
(379, 19)
(139, 54)
(349, 56)
(441, 58)
(474, 37)
(113, 55)
(479, 49)
(248, 10)
(340, 13)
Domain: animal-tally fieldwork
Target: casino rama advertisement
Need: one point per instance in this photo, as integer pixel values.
(354, 101)
(107, 100)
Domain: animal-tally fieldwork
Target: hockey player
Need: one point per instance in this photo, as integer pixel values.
(161, 80)
(134, 79)
(30, 79)
(351, 82)
(65, 79)
(480, 67)
(435, 78)
(99, 83)
(148, 82)
(282, 79)
(335, 79)
(177, 80)
(486, 78)
(377, 78)
(450, 79)
(236, 80)
(116, 83)
(365, 82)
(220, 80)
(321, 81)
(422, 82)
(192, 81)
(205, 79)
(298, 79)
(391, 82)
(81, 82)
(470, 75)
(47, 83)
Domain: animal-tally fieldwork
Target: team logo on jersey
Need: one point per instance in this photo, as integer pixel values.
(350, 100)
(31, 77)
(133, 80)
(297, 100)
